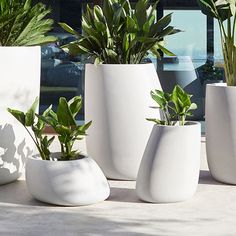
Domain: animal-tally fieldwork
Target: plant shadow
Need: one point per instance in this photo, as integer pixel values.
(13, 154)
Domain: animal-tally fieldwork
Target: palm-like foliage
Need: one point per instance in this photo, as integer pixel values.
(118, 34)
(224, 11)
(22, 24)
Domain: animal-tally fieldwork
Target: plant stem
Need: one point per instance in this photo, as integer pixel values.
(182, 120)
(35, 141)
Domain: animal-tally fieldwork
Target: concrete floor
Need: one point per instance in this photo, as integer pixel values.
(212, 211)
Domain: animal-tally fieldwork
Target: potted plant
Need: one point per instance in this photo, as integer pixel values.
(22, 27)
(169, 170)
(221, 97)
(118, 38)
(68, 177)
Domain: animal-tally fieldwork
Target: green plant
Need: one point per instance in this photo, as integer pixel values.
(117, 34)
(22, 24)
(224, 11)
(62, 121)
(174, 107)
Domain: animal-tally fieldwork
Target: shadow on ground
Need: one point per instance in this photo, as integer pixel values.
(206, 178)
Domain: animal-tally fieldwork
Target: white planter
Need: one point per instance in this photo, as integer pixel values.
(19, 86)
(170, 166)
(66, 183)
(221, 132)
(117, 100)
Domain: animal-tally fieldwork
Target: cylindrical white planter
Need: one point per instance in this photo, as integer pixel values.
(170, 166)
(19, 86)
(117, 100)
(66, 183)
(221, 131)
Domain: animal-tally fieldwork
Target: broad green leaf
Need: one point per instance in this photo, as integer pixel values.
(64, 114)
(30, 114)
(19, 115)
(75, 105)
(68, 29)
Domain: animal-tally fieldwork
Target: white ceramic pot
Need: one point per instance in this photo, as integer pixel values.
(170, 166)
(117, 100)
(66, 183)
(19, 86)
(221, 131)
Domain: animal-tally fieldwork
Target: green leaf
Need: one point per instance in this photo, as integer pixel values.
(208, 7)
(64, 114)
(19, 115)
(165, 50)
(75, 105)
(193, 106)
(68, 29)
(30, 114)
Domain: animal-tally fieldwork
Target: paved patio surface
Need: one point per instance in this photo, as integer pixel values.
(212, 211)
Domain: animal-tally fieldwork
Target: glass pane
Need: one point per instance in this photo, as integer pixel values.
(61, 74)
(191, 42)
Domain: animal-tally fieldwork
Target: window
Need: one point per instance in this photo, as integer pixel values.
(195, 49)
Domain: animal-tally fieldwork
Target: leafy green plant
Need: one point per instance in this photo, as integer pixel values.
(224, 11)
(175, 107)
(62, 121)
(22, 24)
(117, 34)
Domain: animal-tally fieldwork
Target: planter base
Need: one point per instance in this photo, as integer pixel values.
(66, 183)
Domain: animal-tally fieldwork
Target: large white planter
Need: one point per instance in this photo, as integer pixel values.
(66, 183)
(221, 132)
(19, 86)
(117, 100)
(170, 166)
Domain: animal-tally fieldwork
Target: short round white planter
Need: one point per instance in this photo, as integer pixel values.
(221, 132)
(66, 183)
(19, 86)
(117, 100)
(170, 166)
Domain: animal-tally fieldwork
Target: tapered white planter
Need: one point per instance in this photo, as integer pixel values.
(66, 183)
(117, 100)
(19, 86)
(170, 166)
(221, 132)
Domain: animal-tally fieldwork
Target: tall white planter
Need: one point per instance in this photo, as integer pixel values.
(170, 166)
(66, 183)
(117, 100)
(19, 86)
(221, 131)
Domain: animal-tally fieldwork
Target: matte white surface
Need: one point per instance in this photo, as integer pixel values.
(19, 86)
(66, 183)
(211, 212)
(117, 100)
(221, 131)
(170, 166)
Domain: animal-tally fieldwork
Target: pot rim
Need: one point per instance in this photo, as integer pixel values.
(221, 85)
(125, 65)
(37, 157)
(189, 124)
(35, 46)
